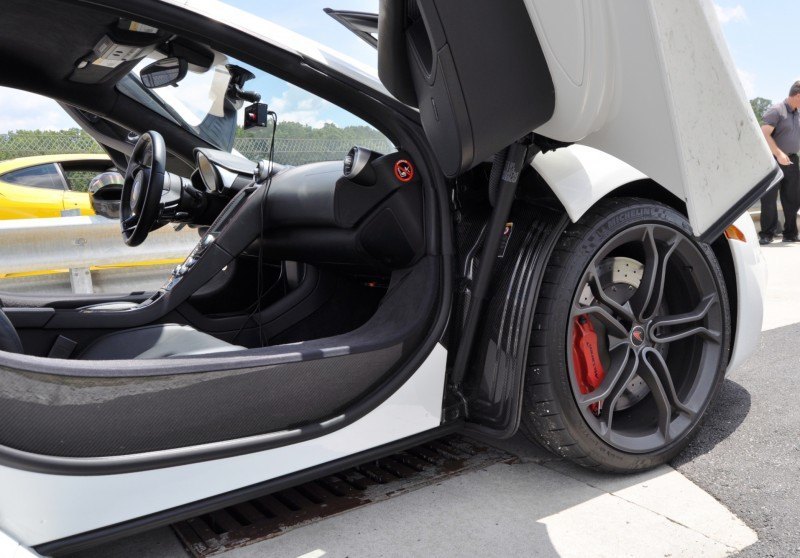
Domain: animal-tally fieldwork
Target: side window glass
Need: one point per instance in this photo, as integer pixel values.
(40, 176)
(78, 178)
(56, 238)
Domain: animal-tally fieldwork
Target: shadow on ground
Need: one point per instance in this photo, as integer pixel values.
(753, 468)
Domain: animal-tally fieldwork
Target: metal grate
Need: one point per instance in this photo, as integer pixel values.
(270, 516)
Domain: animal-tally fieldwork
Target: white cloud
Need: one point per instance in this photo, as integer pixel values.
(748, 80)
(20, 110)
(729, 14)
(295, 105)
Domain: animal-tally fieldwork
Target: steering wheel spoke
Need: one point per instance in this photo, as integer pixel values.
(142, 189)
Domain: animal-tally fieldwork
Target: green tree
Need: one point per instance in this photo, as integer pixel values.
(295, 143)
(24, 143)
(760, 106)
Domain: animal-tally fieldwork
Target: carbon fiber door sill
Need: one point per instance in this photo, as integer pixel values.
(272, 515)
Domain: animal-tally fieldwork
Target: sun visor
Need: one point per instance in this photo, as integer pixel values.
(117, 51)
(477, 71)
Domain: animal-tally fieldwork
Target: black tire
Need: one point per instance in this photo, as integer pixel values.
(654, 428)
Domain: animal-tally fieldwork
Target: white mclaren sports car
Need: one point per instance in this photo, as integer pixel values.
(551, 239)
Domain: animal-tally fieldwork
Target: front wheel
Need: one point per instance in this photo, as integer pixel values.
(630, 339)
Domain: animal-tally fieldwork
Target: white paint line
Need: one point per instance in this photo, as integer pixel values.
(665, 492)
(608, 526)
(680, 500)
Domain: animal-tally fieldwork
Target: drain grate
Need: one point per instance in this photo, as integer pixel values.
(269, 516)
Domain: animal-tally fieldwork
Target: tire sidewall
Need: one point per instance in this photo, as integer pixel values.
(599, 231)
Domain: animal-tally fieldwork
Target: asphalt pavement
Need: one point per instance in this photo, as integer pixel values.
(734, 491)
(747, 455)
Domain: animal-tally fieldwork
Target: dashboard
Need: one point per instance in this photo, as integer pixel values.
(365, 211)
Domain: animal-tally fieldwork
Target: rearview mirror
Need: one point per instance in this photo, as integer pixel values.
(167, 71)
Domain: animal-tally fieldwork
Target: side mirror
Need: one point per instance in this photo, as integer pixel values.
(105, 192)
(167, 71)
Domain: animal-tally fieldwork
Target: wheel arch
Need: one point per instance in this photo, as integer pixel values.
(722, 250)
(580, 177)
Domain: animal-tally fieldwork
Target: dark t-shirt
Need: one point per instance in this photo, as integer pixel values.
(787, 126)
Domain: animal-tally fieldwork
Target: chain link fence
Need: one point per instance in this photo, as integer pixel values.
(301, 151)
(15, 145)
(288, 151)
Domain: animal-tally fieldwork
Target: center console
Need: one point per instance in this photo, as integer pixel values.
(220, 244)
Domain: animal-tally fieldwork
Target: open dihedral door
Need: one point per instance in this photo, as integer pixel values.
(648, 81)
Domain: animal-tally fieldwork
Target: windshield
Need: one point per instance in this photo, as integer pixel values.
(197, 104)
(310, 129)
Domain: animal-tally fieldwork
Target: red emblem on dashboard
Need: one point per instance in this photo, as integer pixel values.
(403, 170)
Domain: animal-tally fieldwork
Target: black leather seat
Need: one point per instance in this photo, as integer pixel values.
(153, 341)
(9, 340)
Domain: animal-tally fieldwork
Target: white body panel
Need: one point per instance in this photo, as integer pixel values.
(9, 548)
(751, 287)
(274, 34)
(37, 508)
(581, 176)
(652, 83)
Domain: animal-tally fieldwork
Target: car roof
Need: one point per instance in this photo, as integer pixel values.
(23, 162)
(286, 39)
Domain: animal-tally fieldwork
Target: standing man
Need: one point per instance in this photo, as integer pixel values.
(782, 129)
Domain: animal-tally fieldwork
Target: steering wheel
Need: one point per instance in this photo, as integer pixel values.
(141, 191)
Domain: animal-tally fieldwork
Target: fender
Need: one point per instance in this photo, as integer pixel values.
(580, 176)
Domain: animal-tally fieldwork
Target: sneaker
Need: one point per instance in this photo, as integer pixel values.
(790, 239)
(764, 239)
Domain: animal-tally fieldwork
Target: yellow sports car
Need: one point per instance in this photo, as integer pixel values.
(48, 185)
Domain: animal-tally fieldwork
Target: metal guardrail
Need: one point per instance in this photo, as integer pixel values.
(83, 245)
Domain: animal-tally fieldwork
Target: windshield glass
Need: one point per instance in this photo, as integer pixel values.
(197, 104)
(309, 129)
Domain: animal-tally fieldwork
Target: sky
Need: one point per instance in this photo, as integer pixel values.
(760, 36)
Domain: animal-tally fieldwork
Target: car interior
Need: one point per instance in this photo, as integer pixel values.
(308, 288)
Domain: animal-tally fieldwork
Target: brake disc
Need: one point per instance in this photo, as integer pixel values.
(620, 277)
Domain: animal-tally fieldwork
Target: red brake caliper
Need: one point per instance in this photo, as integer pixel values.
(586, 357)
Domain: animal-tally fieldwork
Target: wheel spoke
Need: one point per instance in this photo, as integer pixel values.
(597, 290)
(661, 371)
(660, 397)
(129, 224)
(615, 342)
(699, 313)
(647, 298)
(610, 382)
(617, 329)
(133, 168)
(630, 371)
